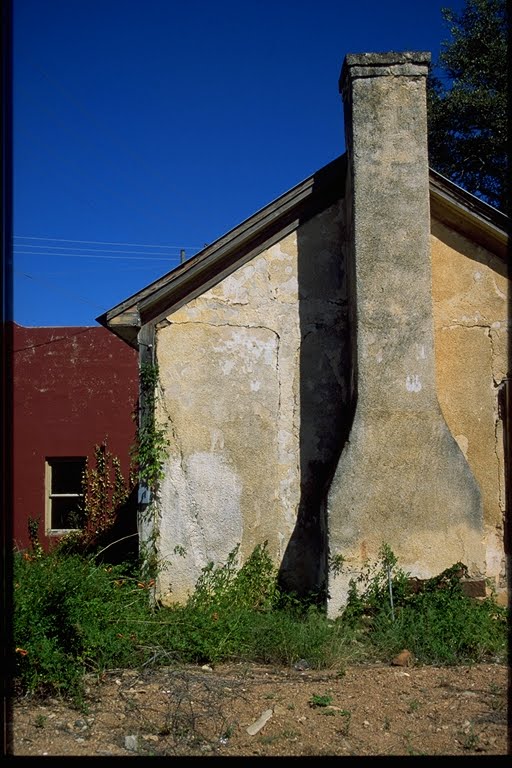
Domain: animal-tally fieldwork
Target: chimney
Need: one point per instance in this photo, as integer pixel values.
(401, 479)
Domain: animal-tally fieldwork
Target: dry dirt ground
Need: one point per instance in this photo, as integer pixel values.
(362, 710)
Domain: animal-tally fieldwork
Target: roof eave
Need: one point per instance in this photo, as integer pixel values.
(239, 244)
(469, 215)
(449, 203)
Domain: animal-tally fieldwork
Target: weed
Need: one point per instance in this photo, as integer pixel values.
(411, 750)
(228, 732)
(439, 624)
(33, 535)
(470, 741)
(414, 705)
(40, 721)
(320, 701)
(498, 700)
(74, 615)
(267, 740)
(346, 714)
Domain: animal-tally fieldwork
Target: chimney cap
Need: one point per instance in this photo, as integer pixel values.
(404, 63)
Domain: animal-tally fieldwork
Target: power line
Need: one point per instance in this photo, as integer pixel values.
(95, 256)
(72, 269)
(94, 250)
(103, 242)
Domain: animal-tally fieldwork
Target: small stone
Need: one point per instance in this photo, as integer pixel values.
(404, 659)
(260, 722)
(130, 743)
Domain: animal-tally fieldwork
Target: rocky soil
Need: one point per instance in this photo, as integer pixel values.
(248, 710)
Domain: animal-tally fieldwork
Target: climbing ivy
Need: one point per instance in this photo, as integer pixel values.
(106, 491)
(151, 445)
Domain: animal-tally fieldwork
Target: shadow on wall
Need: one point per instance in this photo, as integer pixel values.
(326, 407)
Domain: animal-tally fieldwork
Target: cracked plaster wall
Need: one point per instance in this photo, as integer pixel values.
(252, 388)
(469, 288)
(254, 376)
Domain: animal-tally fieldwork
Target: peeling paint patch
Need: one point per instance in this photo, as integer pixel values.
(217, 439)
(227, 366)
(413, 383)
(248, 348)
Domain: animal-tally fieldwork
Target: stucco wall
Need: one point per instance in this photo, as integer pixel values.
(254, 377)
(469, 287)
(253, 394)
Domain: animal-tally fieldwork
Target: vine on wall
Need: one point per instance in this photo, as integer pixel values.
(151, 444)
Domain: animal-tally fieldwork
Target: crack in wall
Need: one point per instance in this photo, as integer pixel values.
(499, 431)
(257, 326)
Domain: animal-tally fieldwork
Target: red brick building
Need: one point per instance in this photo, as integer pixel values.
(73, 388)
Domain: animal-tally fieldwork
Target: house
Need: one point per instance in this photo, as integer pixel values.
(73, 388)
(333, 371)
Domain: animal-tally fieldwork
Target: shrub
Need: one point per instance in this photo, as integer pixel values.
(71, 616)
(106, 494)
(439, 624)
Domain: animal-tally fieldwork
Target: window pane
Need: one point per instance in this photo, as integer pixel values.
(67, 475)
(66, 513)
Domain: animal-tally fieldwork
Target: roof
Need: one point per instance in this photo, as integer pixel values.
(448, 202)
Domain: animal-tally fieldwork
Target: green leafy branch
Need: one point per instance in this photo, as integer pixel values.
(151, 444)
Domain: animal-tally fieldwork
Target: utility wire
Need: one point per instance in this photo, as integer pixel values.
(104, 242)
(94, 250)
(101, 256)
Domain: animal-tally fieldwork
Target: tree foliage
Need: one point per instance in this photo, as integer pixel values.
(467, 101)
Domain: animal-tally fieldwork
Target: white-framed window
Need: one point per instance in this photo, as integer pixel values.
(64, 493)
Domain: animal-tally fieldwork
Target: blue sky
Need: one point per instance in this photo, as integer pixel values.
(141, 129)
